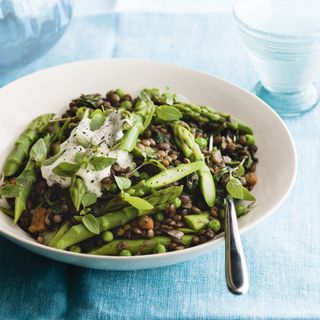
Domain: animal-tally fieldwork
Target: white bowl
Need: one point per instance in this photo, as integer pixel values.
(50, 90)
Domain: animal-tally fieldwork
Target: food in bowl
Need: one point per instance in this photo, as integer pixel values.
(116, 175)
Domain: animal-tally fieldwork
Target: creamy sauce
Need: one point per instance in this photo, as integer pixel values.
(106, 137)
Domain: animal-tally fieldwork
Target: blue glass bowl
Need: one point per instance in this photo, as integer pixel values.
(29, 28)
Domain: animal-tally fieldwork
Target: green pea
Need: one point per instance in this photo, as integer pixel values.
(250, 139)
(177, 202)
(113, 188)
(240, 208)
(107, 236)
(75, 248)
(202, 142)
(214, 225)
(125, 253)
(160, 248)
(159, 216)
(222, 214)
(126, 105)
(120, 92)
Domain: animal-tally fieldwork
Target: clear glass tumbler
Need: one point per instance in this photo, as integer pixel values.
(283, 40)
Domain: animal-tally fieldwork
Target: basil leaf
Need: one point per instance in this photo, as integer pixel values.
(235, 189)
(247, 195)
(168, 113)
(122, 182)
(89, 199)
(99, 163)
(97, 121)
(66, 169)
(82, 141)
(52, 160)
(84, 211)
(221, 172)
(77, 191)
(91, 223)
(239, 172)
(137, 202)
(9, 190)
(155, 163)
(79, 157)
(38, 151)
(170, 99)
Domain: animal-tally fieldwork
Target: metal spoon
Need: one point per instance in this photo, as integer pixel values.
(235, 262)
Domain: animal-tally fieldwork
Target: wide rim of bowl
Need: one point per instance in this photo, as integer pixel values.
(302, 39)
(199, 248)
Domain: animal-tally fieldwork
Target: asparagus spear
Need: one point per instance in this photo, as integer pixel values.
(25, 181)
(209, 115)
(134, 246)
(142, 246)
(24, 143)
(157, 198)
(164, 178)
(142, 116)
(190, 148)
(199, 113)
(117, 218)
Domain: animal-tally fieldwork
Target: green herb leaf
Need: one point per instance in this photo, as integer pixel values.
(97, 121)
(248, 162)
(156, 163)
(84, 211)
(77, 191)
(239, 172)
(247, 195)
(217, 176)
(38, 151)
(89, 199)
(66, 169)
(78, 218)
(122, 182)
(82, 141)
(169, 99)
(9, 190)
(235, 189)
(99, 163)
(91, 223)
(52, 160)
(168, 113)
(137, 202)
(150, 153)
(79, 157)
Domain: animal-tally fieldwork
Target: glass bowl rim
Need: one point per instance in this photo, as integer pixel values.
(265, 33)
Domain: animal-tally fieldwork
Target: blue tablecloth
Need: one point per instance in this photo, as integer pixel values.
(283, 253)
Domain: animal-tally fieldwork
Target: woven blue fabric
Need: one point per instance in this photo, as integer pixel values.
(283, 253)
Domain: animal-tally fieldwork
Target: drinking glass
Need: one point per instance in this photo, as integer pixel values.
(283, 40)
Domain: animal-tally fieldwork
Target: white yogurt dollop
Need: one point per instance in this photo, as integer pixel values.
(105, 137)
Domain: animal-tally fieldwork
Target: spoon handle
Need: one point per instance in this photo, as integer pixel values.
(236, 268)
